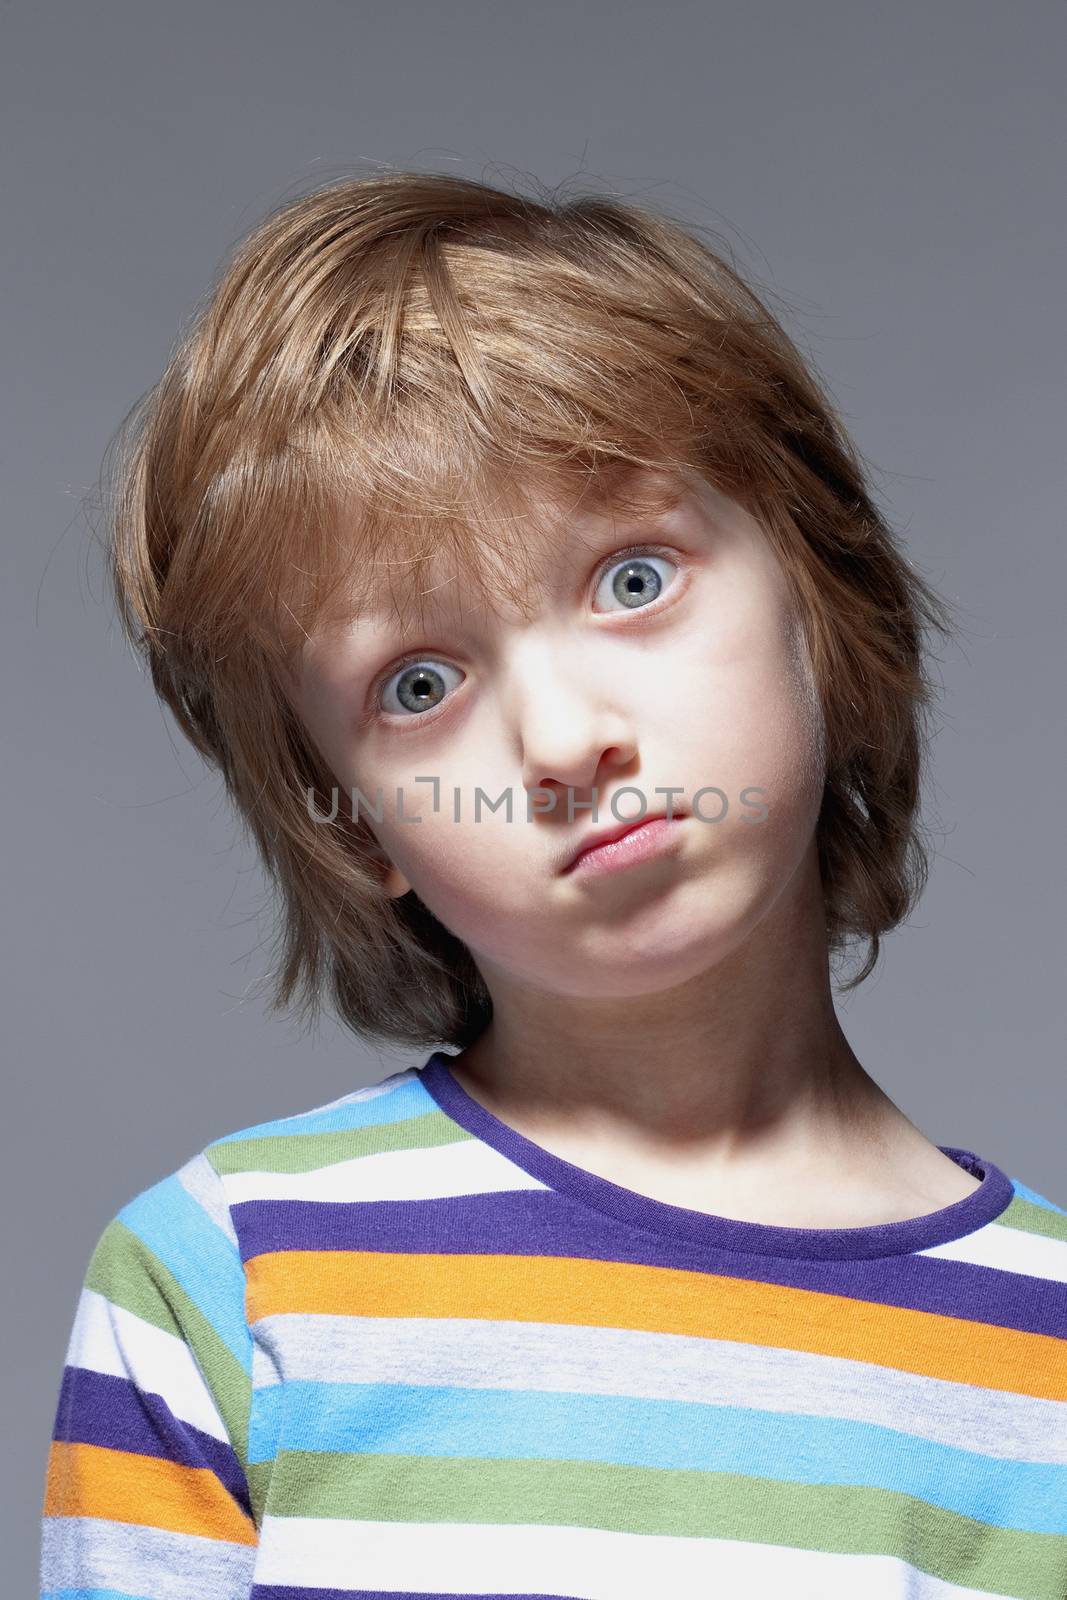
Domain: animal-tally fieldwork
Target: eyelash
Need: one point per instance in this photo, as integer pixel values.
(377, 714)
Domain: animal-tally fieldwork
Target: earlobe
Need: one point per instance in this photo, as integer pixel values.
(395, 883)
(392, 880)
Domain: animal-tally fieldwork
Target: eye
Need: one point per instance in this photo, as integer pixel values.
(634, 580)
(416, 686)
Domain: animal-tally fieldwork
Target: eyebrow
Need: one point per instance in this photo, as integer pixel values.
(574, 548)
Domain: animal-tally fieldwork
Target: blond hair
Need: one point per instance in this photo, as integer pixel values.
(383, 365)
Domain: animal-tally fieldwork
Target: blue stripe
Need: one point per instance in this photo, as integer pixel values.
(91, 1594)
(399, 1104)
(1035, 1199)
(672, 1435)
(264, 1420)
(182, 1236)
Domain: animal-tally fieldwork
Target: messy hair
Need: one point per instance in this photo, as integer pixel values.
(385, 365)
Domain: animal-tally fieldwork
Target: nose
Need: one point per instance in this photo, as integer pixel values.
(571, 727)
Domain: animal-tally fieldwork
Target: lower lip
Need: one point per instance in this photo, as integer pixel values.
(640, 844)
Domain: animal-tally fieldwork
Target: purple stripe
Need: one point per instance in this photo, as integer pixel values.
(99, 1408)
(274, 1591)
(538, 1223)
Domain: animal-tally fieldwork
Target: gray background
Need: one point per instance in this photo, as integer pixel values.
(894, 171)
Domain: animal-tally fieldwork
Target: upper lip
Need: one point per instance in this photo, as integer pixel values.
(607, 835)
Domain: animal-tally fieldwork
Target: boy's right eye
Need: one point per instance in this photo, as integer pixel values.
(415, 687)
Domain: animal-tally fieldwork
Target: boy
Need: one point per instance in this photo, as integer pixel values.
(519, 579)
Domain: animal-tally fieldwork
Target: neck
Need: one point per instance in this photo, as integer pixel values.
(740, 1069)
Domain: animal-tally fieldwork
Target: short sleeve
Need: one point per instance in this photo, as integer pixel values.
(146, 1489)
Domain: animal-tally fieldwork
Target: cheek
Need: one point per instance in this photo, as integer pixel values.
(789, 744)
(465, 873)
(762, 728)
(466, 861)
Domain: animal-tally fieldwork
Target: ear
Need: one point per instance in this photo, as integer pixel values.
(395, 883)
(392, 880)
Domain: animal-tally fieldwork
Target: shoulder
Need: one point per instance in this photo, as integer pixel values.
(306, 1182)
(188, 1210)
(366, 1118)
(174, 1244)
(1031, 1213)
(1022, 1249)
(185, 1210)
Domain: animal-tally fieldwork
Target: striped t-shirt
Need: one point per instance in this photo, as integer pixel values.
(392, 1347)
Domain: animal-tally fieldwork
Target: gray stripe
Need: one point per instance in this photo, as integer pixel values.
(89, 1553)
(201, 1181)
(480, 1354)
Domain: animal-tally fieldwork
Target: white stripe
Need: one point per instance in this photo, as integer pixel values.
(108, 1338)
(370, 1091)
(432, 1173)
(472, 1353)
(1008, 1250)
(439, 1558)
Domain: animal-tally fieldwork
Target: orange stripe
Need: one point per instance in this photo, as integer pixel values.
(503, 1288)
(89, 1480)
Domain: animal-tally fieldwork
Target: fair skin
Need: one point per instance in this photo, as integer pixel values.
(670, 1026)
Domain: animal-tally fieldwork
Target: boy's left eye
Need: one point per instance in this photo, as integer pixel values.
(634, 581)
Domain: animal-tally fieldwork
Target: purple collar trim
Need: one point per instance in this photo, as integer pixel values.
(724, 1233)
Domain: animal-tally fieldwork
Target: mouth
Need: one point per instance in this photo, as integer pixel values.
(609, 849)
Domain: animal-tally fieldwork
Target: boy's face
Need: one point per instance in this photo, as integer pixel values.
(701, 681)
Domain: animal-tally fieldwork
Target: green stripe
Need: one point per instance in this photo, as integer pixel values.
(827, 1518)
(126, 1272)
(303, 1152)
(1026, 1217)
